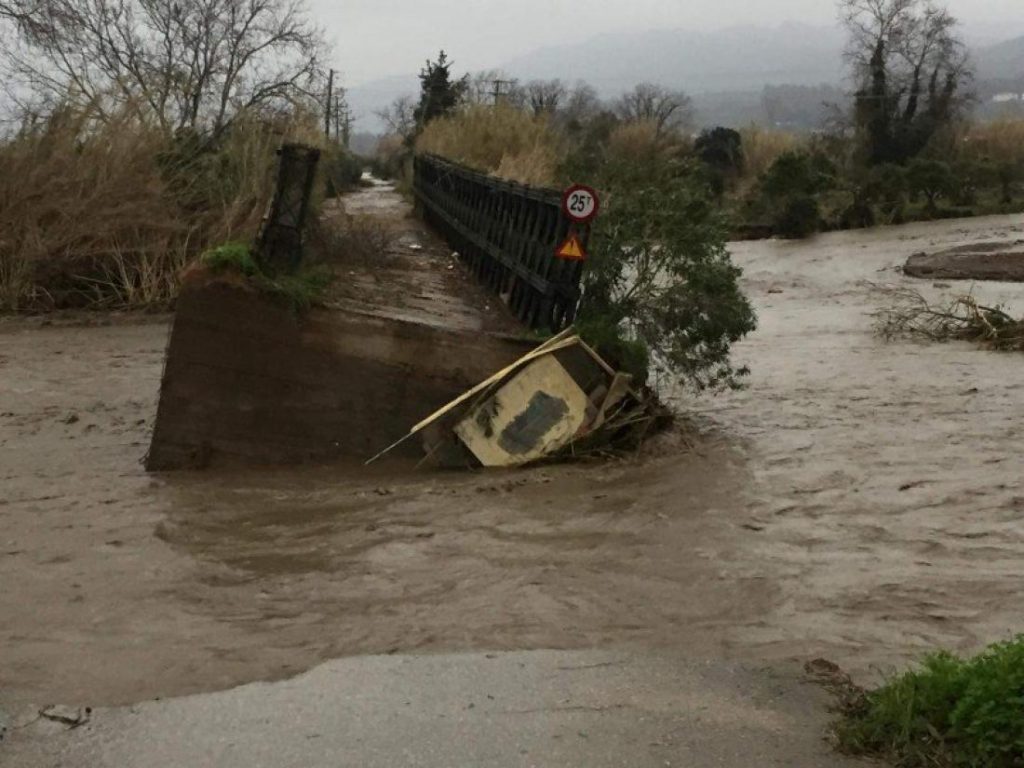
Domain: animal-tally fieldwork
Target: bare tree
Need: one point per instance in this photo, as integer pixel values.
(185, 63)
(493, 85)
(545, 95)
(399, 116)
(581, 103)
(910, 71)
(668, 110)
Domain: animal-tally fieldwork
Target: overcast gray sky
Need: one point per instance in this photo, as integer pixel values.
(380, 38)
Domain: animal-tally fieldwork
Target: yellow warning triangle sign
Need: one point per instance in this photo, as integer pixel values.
(571, 249)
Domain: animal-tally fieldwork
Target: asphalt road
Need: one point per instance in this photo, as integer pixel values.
(534, 708)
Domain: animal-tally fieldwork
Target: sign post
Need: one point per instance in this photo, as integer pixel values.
(580, 205)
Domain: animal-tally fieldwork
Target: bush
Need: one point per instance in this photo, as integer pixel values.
(858, 215)
(798, 218)
(341, 170)
(388, 160)
(299, 291)
(887, 185)
(798, 173)
(231, 256)
(932, 178)
(789, 188)
(660, 288)
(721, 151)
(950, 711)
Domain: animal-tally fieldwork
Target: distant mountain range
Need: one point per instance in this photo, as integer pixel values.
(708, 65)
(1003, 61)
(732, 59)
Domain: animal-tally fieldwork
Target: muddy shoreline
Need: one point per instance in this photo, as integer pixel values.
(997, 261)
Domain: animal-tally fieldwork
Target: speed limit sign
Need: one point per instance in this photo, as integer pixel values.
(580, 203)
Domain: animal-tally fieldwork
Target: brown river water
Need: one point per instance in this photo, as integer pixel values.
(861, 501)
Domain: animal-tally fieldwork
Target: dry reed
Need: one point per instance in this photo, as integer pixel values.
(763, 146)
(1000, 141)
(502, 140)
(106, 214)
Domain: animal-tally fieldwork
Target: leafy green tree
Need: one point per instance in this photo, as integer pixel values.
(721, 149)
(887, 185)
(1009, 173)
(932, 178)
(798, 173)
(721, 152)
(439, 93)
(789, 189)
(660, 288)
(799, 217)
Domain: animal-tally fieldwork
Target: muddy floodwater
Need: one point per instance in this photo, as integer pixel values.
(860, 501)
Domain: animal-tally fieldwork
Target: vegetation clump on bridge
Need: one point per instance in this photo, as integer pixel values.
(299, 290)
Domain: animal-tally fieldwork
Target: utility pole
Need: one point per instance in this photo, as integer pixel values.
(327, 104)
(346, 126)
(337, 115)
(342, 118)
(501, 88)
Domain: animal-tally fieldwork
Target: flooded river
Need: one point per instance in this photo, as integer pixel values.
(860, 501)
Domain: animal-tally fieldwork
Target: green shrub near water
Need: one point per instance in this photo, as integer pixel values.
(300, 290)
(949, 712)
(660, 290)
(236, 256)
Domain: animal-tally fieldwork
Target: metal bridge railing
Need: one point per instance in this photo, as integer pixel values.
(279, 241)
(507, 233)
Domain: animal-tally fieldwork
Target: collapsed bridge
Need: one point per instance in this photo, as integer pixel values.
(248, 380)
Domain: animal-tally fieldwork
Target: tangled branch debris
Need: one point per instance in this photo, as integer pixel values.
(909, 314)
(559, 400)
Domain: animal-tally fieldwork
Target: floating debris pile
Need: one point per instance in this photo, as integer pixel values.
(911, 314)
(561, 399)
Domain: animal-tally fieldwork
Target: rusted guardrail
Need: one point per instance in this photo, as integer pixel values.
(279, 241)
(507, 233)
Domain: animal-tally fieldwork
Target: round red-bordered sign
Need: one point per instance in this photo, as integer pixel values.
(580, 203)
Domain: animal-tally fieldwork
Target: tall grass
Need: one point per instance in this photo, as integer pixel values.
(642, 145)
(947, 712)
(84, 214)
(502, 140)
(763, 146)
(1001, 141)
(105, 214)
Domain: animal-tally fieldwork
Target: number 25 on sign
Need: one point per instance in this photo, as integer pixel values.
(580, 206)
